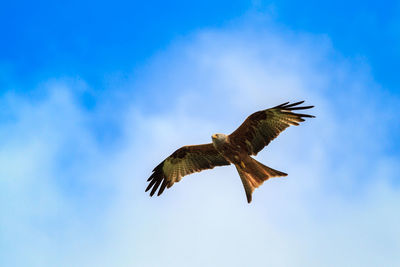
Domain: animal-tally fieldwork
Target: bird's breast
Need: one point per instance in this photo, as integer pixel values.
(228, 151)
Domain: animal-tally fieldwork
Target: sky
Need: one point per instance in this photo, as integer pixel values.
(94, 95)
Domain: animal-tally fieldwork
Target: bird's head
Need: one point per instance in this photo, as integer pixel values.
(219, 137)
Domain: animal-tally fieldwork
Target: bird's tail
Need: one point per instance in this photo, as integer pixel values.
(254, 173)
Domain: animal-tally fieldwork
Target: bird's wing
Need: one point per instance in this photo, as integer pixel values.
(261, 127)
(184, 161)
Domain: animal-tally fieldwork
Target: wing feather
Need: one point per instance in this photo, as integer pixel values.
(261, 127)
(184, 161)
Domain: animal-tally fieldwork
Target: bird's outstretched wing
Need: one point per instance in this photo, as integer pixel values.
(261, 127)
(184, 161)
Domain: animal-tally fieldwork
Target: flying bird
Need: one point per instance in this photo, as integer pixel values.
(256, 132)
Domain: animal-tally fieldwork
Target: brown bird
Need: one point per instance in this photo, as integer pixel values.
(257, 131)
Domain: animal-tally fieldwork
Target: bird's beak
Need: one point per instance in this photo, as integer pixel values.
(214, 136)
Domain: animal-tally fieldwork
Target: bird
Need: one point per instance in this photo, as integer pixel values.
(256, 132)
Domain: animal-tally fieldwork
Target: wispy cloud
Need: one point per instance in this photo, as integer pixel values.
(70, 199)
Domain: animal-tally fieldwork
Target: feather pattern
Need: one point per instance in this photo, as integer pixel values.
(184, 161)
(261, 127)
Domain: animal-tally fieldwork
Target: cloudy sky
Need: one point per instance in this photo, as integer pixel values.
(95, 94)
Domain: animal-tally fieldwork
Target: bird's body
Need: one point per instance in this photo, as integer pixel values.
(252, 136)
(251, 172)
(222, 144)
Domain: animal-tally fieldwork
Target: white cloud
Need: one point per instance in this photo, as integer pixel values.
(67, 200)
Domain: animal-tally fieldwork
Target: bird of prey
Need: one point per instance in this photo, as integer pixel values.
(257, 131)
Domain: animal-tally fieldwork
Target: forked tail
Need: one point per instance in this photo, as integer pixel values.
(254, 173)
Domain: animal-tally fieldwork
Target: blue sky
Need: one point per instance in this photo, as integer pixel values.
(88, 39)
(95, 94)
